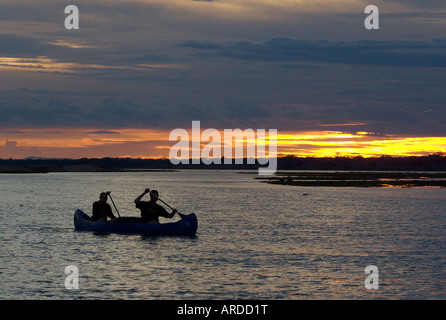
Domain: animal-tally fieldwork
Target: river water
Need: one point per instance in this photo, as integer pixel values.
(254, 240)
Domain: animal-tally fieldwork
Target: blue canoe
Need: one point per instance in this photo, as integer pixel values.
(187, 226)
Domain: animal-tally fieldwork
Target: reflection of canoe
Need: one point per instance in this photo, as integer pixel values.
(184, 227)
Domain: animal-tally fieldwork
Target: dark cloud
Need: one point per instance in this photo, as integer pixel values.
(419, 4)
(10, 144)
(279, 49)
(284, 83)
(203, 44)
(103, 132)
(17, 45)
(360, 114)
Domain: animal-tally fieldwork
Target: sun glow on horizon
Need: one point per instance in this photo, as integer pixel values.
(365, 144)
(152, 143)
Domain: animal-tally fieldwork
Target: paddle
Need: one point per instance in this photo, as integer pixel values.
(180, 214)
(114, 204)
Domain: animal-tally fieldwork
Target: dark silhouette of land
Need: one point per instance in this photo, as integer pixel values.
(404, 179)
(434, 162)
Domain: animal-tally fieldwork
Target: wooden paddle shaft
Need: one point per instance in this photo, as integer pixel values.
(114, 205)
(180, 214)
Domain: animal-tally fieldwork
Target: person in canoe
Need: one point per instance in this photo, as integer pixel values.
(150, 210)
(102, 210)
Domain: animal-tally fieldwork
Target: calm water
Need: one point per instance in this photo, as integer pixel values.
(254, 240)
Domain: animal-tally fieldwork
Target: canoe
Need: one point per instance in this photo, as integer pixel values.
(187, 226)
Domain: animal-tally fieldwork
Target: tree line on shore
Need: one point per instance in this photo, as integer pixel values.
(433, 162)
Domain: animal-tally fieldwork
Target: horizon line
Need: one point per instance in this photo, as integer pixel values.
(33, 158)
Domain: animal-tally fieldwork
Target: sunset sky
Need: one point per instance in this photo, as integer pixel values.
(138, 69)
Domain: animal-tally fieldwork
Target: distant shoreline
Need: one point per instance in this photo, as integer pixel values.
(358, 179)
(435, 162)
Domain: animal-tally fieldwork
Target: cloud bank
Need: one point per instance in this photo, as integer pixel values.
(290, 65)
